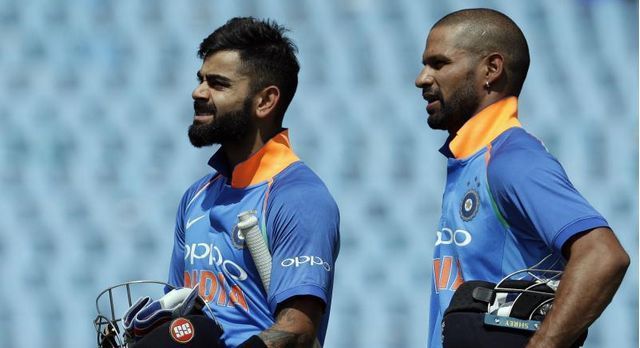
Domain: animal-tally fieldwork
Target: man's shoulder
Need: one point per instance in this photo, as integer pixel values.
(515, 140)
(516, 155)
(516, 144)
(298, 173)
(300, 183)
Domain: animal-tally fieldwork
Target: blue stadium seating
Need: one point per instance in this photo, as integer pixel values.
(95, 101)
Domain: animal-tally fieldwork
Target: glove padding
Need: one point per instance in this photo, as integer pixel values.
(145, 314)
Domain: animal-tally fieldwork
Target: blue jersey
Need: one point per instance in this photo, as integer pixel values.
(507, 205)
(298, 217)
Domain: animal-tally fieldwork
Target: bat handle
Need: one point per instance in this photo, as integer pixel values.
(248, 226)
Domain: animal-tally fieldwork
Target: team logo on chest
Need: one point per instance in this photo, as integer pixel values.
(237, 238)
(470, 202)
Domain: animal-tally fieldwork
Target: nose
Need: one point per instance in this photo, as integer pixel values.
(424, 78)
(200, 92)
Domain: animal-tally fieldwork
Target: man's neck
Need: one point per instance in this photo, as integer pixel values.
(485, 102)
(238, 152)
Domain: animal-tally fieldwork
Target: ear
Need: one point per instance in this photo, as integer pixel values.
(266, 101)
(494, 66)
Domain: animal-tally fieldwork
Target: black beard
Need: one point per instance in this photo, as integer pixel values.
(457, 110)
(230, 127)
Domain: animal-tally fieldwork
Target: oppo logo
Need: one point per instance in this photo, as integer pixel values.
(306, 260)
(212, 255)
(448, 236)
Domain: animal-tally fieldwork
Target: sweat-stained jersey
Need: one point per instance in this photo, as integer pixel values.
(298, 217)
(507, 204)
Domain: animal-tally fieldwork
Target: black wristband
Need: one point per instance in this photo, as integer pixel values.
(253, 342)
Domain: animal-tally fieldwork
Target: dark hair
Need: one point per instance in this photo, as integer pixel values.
(486, 31)
(268, 56)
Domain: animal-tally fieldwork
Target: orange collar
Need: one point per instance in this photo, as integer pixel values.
(484, 127)
(271, 159)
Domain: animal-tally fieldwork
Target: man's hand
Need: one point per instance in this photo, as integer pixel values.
(597, 264)
(296, 324)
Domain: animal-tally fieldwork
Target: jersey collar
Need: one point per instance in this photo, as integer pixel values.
(271, 159)
(483, 128)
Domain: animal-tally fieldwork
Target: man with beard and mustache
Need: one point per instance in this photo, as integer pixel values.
(248, 77)
(508, 204)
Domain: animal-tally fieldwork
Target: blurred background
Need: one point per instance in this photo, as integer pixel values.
(95, 102)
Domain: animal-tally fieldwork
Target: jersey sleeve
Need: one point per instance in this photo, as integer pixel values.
(304, 241)
(534, 194)
(176, 266)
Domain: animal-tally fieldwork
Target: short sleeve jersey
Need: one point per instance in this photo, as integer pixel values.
(298, 217)
(507, 205)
